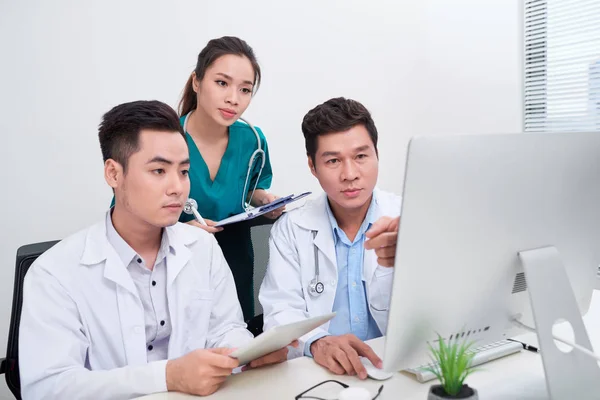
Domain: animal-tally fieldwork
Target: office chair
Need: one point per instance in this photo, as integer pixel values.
(260, 243)
(9, 366)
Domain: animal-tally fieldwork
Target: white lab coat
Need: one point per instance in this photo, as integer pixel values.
(284, 292)
(82, 330)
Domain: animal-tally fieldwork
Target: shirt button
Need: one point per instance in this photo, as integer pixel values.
(162, 323)
(353, 284)
(332, 283)
(150, 348)
(139, 260)
(153, 283)
(356, 319)
(138, 329)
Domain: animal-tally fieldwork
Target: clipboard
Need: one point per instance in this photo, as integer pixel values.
(258, 211)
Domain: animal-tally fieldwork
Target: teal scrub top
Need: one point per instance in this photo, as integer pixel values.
(222, 197)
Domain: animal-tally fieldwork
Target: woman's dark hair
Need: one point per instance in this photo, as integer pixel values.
(214, 49)
(335, 115)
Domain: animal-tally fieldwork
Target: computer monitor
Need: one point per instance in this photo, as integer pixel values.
(470, 204)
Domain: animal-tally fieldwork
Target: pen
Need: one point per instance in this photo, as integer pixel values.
(526, 346)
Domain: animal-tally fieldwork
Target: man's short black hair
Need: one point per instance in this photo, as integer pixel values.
(335, 115)
(119, 131)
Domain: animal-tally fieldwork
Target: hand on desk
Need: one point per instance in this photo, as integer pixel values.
(275, 357)
(383, 236)
(340, 354)
(200, 372)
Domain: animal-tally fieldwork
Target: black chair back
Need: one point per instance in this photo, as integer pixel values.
(26, 255)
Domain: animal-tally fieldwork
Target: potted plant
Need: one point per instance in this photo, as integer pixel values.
(451, 365)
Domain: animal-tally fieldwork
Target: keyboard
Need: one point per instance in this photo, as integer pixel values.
(483, 354)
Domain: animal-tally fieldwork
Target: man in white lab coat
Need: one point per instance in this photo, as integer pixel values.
(336, 253)
(137, 303)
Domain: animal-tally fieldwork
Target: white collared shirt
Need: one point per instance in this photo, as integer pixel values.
(152, 288)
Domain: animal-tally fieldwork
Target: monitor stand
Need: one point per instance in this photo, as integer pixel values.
(571, 375)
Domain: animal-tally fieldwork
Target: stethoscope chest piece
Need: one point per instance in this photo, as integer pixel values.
(189, 205)
(316, 287)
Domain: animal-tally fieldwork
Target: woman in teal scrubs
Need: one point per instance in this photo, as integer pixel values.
(216, 95)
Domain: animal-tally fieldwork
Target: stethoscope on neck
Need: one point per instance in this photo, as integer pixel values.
(259, 152)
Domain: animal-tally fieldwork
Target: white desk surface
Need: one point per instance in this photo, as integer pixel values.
(518, 376)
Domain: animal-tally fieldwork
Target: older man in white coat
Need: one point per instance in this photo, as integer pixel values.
(137, 303)
(335, 253)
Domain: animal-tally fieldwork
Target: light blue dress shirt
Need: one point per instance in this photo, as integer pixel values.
(350, 303)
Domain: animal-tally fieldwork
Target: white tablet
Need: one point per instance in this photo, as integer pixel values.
(278, 337)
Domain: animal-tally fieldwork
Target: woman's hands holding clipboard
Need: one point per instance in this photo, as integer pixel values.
(271, 206)
(270, 198)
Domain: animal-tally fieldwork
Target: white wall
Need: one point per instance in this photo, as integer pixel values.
(421, 67)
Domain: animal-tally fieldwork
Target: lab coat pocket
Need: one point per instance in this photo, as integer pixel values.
(381, 288)
(197, 316)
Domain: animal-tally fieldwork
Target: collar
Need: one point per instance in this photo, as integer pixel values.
(125, 252)
(97, 247)
(313, 216)
(365, 225)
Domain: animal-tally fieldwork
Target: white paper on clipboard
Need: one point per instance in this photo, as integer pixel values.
(258, 211)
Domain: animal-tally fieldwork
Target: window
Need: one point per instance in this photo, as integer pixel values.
(562, 65)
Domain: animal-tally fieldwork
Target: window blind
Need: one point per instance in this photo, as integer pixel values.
(562, 65)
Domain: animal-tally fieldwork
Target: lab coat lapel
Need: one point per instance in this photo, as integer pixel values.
(324, 242)
(98, 249)
(131, 312)
(179, 240)
(316, 219)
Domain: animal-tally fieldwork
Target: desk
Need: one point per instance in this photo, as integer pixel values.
(518, 376)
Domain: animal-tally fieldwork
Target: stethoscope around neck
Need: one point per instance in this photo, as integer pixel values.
(259, 152)
(316, 287)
